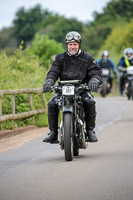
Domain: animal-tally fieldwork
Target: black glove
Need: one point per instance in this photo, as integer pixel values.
(93, 84)
(47, 85)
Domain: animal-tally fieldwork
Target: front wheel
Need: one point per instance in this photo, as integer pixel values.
(104, 89)
(68, 136)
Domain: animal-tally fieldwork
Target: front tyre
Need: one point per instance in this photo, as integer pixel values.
(104, 88)
(68, 136)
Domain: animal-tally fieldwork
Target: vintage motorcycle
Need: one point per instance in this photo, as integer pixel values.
(72, 131)
(105, 87)
(129, 82)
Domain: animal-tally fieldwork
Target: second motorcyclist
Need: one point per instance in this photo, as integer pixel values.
(106, 63)
(125, 61)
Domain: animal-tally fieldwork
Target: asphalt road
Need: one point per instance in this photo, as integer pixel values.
(104, 171)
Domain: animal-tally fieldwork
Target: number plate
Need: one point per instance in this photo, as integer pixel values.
(68, 90)
(130, 70)
(105, 72)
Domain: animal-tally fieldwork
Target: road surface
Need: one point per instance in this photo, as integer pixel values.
(33, 170)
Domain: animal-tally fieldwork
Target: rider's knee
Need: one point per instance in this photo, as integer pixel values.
(89, 101)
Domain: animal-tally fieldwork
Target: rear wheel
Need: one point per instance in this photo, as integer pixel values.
(68, 136)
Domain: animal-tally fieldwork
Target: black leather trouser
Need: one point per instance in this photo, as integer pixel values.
(89, 107)
(122, 80)
(110, 81)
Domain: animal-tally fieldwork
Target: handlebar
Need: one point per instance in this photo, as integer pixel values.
(78, 88)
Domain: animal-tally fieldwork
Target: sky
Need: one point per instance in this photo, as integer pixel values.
(81, 9)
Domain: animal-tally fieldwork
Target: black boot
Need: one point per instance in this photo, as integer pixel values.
(91, 136)
(90, 125)
(52, 137)
(53, 134)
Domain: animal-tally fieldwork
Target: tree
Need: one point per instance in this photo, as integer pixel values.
(44, 48)
(120, 38)
(64, 25)
(8, 41)
(115, 12)
(27, 23)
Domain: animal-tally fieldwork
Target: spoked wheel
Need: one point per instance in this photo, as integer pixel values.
(68, 137)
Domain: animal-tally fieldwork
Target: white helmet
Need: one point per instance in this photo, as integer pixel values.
(105, 53)
(128, 53)
(73, 36)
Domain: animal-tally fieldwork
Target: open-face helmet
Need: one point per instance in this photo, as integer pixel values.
(128, 53)
(73, 36)
(105, 53)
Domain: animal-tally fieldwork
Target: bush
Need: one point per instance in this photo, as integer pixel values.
(16, 72)
(120, 38)
(44, 49)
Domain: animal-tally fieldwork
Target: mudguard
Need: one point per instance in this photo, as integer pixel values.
(67, 109)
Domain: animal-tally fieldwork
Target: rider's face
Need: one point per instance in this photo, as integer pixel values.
(73, 48)
(105, 57)
(129, 55)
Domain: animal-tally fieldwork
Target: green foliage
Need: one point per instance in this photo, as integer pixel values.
(93, 38)
(37, 20)
(8, 41)
(27, 22)
(115, 12)
(120, 38)
(41, 120)
(21, 71)
(44, 48)
(64, 26)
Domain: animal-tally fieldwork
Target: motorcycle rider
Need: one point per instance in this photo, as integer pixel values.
(74, 64)
(124, 63)
(106, 63)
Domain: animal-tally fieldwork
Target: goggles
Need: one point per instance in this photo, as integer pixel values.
(73, 37)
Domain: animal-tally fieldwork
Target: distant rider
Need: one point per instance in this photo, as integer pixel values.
(124, 63)
(74, 64)
(106, 63)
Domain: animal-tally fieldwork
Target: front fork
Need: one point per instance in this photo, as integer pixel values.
(61, 128)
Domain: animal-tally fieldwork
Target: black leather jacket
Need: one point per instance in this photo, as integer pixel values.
(82, 67)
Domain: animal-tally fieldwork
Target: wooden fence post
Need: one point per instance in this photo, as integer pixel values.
(44, 101)
(30, 101)
(13, 103)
